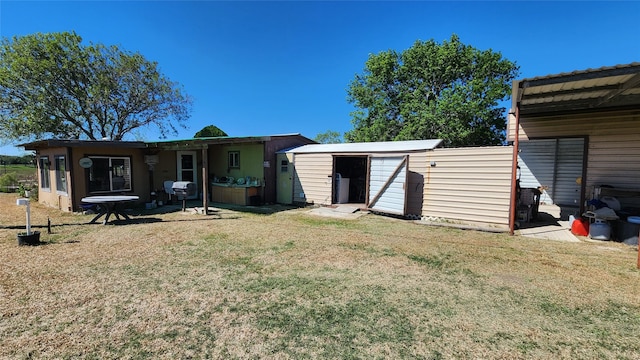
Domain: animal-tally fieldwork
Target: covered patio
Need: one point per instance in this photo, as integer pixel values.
(591, 118)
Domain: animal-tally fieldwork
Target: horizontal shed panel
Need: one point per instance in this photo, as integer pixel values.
(313, 178)
(469, 184)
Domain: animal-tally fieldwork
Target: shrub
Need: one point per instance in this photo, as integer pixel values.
(8, 182)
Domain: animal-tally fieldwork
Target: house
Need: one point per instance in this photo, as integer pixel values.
(69, 170)
(577, 136)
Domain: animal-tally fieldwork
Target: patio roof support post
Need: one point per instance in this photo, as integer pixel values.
(514, 172)
(205, 180)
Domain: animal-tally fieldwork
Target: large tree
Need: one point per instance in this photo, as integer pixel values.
(210, 131)
(53, 85)
(329, 137)
(449, 91)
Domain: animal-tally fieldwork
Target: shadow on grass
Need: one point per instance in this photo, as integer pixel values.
(136, 219)
(216, 207)
(145, 216)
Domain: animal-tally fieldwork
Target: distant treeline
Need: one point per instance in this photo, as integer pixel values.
(17, 160)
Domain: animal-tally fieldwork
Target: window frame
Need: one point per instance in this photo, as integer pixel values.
(126, 174)
(284, 166)
(233, 159)
(60, 166)
(45, 173)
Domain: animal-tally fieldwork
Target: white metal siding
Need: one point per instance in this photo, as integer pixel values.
(387, 184)
(312, 178)
(469, 185)
(613, 154)
(569, 172)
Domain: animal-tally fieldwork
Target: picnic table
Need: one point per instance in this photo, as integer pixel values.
(109, 204)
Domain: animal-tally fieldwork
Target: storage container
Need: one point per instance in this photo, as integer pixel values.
(580, 227)
(627, 231)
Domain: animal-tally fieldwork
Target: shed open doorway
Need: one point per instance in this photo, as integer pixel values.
(349, 179)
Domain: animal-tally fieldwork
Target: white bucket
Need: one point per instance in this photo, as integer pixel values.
(600, 230)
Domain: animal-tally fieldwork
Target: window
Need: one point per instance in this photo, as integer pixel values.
(284, 166)
(61, 174)
(234, 159)
(45, 181)
(109, 174)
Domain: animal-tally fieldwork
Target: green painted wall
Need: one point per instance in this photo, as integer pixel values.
(251, 161)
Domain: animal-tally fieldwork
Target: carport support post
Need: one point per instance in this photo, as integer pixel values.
(205, 180)
(514, 172)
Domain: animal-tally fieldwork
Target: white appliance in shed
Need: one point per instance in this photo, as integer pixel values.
(342, 189)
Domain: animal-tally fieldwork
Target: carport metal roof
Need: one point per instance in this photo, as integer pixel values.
(605, 88)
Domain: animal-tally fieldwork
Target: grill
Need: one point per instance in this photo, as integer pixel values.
(184, 189)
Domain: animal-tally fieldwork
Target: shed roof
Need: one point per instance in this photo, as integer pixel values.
(605, 88)
(369, 147)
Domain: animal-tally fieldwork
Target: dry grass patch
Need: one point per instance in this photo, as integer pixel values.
(291, 285)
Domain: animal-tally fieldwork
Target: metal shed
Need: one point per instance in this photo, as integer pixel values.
(382, 176)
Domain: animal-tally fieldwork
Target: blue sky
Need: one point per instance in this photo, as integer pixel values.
(262, 68)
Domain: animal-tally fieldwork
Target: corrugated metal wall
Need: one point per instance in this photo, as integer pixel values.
(555, 164)
(312, 178)
(469, 184)
(614, 146)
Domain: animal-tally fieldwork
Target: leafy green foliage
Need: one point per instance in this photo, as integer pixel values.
(18, 160)
(52, 85)
(210, 131)
(448, 91)
(329, 137)
(7, 182)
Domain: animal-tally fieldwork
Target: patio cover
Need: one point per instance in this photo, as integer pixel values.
(582, 91)
(606, 88)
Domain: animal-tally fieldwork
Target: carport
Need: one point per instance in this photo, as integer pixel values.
(577, 135)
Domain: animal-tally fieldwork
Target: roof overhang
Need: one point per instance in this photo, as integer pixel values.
(369, 147)
(44, 144)
(603, 89)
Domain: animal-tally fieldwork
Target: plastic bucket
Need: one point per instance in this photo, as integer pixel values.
(580, 227)
(600, 230)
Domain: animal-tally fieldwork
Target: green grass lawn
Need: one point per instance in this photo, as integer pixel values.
(291, 285)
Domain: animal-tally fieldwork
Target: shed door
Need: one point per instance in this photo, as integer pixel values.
(284, 177)
(388, 184)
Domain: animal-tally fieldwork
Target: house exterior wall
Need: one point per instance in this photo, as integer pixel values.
(140, 185)
(271, 147)
(165, 169)
(77, 186)
(469, 184)
(51, 196)
(613, 153)
(251, 156)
